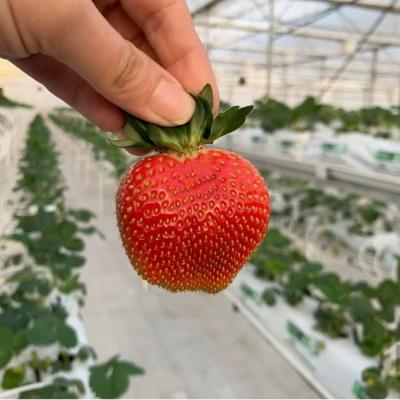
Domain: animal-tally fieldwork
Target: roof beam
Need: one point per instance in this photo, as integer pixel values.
(306, 32)
(366, 4)
(290, 55)
(284, 53)
(329, 69)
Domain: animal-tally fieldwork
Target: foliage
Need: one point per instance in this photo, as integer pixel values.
(7, 103)
(344, 309)
(97, 139)
(274, 115)
(33, 315)
(110, 380)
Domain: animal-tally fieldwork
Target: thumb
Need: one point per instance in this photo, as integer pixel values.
(118, 70)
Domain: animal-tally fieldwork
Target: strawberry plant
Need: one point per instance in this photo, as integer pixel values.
(83, 130)
(42, 291)
(367, 314)
(190, 216)
(7, 103)
(273, 115)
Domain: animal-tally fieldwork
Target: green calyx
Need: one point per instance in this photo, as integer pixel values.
(202, 128)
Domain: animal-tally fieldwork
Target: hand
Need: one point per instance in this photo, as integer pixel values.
(139, 55)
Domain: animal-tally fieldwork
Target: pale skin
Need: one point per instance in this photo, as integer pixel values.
(101, 56)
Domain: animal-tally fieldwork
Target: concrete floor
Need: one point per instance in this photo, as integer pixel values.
(191, 345)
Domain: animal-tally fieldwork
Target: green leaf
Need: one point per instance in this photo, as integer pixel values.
(13, 377)
(72, 284)
(332, 287)
(86, 352)
(75, 261)
(393, 382)
(175, 138)
(82, 215)
(360, 308)
(330, 321)
(207, 95)
(20, 341)
(67, 336)
(111, 379)
(200, 124)
(60, 389)
(398, 269)
(276, 266)
(269, 297)
(44, 331)
(371, 373)
(135, 139)
(275, 239)
(228, 121)
(376, 338)
(388, 292)
(6, 338)
(74, 244)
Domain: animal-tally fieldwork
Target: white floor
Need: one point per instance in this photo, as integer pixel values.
(191, 345)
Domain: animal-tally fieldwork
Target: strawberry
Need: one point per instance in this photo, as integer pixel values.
(190, 216)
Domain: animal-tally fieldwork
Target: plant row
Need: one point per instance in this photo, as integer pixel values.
(369, 315)
(96, 138)
(7, 103)
(377, 121)
(42, 292)
(333, 219)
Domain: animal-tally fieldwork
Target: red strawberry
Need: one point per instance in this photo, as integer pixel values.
(189, 218)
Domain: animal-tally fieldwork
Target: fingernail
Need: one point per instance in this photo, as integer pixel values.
(172, 104)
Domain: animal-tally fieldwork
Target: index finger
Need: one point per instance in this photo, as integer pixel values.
(169, 29)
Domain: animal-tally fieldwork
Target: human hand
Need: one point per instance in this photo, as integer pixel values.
(139, 55)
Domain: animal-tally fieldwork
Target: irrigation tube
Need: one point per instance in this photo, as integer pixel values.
(307, 376)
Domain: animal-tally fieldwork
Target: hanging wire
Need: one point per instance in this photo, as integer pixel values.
(360, 45)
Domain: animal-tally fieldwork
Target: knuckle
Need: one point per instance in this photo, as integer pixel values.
(129, 73)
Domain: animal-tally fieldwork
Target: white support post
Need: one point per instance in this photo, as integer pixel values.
(270, 49)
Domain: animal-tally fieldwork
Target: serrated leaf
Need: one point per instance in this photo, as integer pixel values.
(75, 261)
(200, 124)
(121, 143)
(66, 336)
(175, 138)
(82, 215)
(134, 136)
(13, 377)
(19, 341)
(269, 297)
(207, 95)
(129, 368)
(85, 352)
(388, 292)
(6, 338)
(111, 379)
(377, 391)
(72, 284)
(59, 389)
(139, 127)
(228, 121)
(44, 331)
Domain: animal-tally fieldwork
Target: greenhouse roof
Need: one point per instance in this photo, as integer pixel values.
(342, 51)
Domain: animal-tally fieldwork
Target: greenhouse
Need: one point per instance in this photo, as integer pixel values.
(200, 199)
